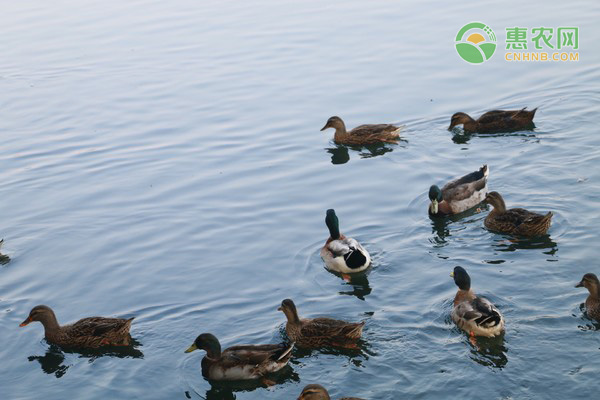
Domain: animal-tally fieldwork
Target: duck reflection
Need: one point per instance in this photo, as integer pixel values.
(53, 362)
(341, 155)
(4, 259)
(490, 352)
(517, 243)
(226, 389)
(460, 137)
(440, 225)
(359, 284)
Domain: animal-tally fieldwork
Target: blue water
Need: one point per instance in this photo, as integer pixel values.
(163, 160)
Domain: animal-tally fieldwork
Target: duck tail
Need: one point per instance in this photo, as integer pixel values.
(532, 112)
(485, 169)
(287, 352)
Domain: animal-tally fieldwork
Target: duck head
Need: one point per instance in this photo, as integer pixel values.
(289, 309)
(459, 118)
(496, 201)
(333, 224)
(41, 313)
(314, 392)
(435, 196)
(461, 278)
(335, 123)
(591, 283)
(207, 342)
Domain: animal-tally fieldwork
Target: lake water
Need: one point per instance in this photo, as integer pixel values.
(163, 160)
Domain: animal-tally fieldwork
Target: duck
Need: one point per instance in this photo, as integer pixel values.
(318, 392)
(363, 134)
(460, 194)
(242, 362)
(474, 314)
(516, 221)
(319, 332)
(592, 303)
(91, 332)
(340, 253)
(495, 121)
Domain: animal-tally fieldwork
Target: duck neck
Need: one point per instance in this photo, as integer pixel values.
(463, 295)
(340, 131)
(594, 292)
(470, 124)
(213, 350)
(51, 326)
(499, 206)
(292, 316)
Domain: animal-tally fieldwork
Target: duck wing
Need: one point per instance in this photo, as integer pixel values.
(328, 328)
(99, 326)
(371, 129)
(518, 216)
(254, 354)
(464, 187)
(481, 312)
(495, 115)
(350, 249)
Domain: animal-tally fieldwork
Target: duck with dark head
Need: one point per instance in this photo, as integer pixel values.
(495, 121)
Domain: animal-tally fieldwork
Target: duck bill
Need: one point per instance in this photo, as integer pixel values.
(580, 284)
(325, 127)
(26, 322)
(279, 308)
(434, 206)
(452, 274)
(191, 348)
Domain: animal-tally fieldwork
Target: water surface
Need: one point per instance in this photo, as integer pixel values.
(163, 160)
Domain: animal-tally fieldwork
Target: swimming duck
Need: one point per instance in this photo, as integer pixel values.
(319, 332)
(363, 134)
(495, 121)
(340, 253)
(592, 303)
(517, 221)
(89, 332)
(471, 313)
(318, 392)
(460, 194)
(240, 362)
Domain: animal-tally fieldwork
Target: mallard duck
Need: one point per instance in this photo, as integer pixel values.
(363, 134)
(592, 303)
(495, 121)
(318, 332)
(460, 194)
(471, 313)
(340, 253)
(318, 392)
(516, 221)
(89, 332)
(240, 362)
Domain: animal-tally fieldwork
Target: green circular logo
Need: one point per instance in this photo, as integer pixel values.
(472, 45)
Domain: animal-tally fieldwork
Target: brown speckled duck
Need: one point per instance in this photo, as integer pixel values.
(240, 362)
(318, 392)
(515, 221)
(318, 332)
(592, 303)
(495, 121)
(89, 332)
(363, 134)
